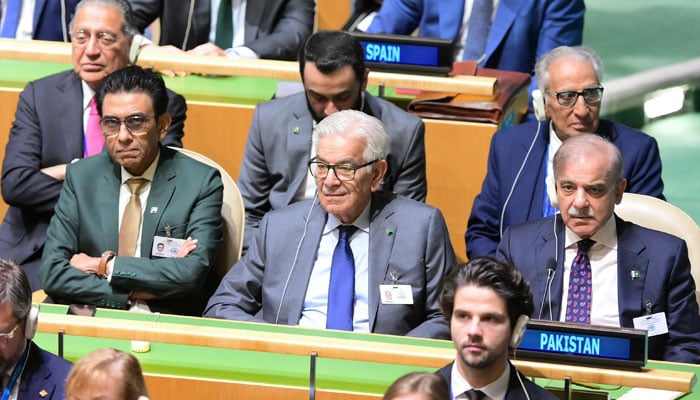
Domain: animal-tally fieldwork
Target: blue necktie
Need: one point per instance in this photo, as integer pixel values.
(9, 29)
(341, 290)
(224, 25)
(479, 27)
(578, 303)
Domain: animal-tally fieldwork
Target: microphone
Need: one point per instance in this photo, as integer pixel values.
(551, 267)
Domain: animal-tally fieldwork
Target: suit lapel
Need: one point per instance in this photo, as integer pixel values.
(630, 262)
(550, 246)
(108, 203)
(450, 12)
(253, 16)
(299, 281)
(532, 177)
(381, 243)
(162, 189)
(298, 134)
(506, 13)
(69, 105)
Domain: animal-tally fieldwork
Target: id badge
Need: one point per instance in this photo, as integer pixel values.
(166, 247)
(654, 324)
(396, 294)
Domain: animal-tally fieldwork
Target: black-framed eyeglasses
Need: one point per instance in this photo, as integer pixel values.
(568, 98)
(344, 172)
(137, 125)
(104, 39)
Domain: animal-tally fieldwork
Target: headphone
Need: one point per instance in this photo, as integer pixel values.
(30, 322)
(519, 331)
(538, 105)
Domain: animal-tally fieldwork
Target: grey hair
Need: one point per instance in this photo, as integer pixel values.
(588, 145)
(123, 6)
(579, 53)
(357, 124)
(14, 289)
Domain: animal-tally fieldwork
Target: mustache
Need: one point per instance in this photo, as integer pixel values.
(581, 213)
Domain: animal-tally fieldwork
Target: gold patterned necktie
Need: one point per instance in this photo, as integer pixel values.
(131, 219)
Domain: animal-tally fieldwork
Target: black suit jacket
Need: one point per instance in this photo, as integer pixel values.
(515, 388)
(273, 28)
(47, 131)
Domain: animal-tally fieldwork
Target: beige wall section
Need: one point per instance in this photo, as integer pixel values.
(332, 14)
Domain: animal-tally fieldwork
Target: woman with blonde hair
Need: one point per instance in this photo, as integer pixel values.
(418, 386)
(106, 374)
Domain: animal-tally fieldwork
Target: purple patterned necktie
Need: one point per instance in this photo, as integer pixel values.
(578, 303)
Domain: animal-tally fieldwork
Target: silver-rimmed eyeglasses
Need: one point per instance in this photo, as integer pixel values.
(104, 39)
(137, 125)
(344, 172)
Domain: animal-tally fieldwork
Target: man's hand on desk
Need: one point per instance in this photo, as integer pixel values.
(208, 49)
(57, 172)
(160, 50)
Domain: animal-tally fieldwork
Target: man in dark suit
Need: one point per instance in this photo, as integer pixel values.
(41, 375)
(272, 29)
(519, 172)
(135, 194)
(487, 304)
(49, 20)
(273, 171)
(400, 248)
(50, 128)
(520, 31)
(603, 270)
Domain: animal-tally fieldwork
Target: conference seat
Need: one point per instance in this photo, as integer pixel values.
(232, 214)
(659, 215)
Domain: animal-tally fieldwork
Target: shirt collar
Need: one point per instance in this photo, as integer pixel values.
(362, 221)
(606, 235)
(88, 94)
(148, 174)
(494, 390)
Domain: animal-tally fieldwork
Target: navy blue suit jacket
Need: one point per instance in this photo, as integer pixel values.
(509, 147)
(665, 279)
(44, 372)
(51, 19)
(522, 30)
(516, 390)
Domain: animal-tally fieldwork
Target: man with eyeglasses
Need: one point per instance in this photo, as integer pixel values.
(519, 172)
(56, 122)
(358, 259)
(26, 371)
(115, 207)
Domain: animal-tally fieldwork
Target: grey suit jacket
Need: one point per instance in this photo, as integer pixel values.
(406, 238)
(47, 131)
(273, 28)
(279, 144)
(652, 267)
(185, 196)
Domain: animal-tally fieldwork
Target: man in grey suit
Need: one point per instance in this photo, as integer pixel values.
(273, 29)
(400, 248)
(50, 128)
(273, 171)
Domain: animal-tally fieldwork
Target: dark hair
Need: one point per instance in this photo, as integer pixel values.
(430, 385)
(488, 272)
(123, 6)
(135, 79)
(14, 289)
(332, 50)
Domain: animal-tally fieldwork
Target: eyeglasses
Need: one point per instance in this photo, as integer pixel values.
(9, 335)
(344, 172)
(568, 98)
(135, 124)
(104, 39)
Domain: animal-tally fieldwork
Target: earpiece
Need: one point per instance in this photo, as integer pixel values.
(538, 105)
(30, 322)
(552, 191)
(519, 331)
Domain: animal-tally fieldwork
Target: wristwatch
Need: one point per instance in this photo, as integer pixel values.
(102, 266)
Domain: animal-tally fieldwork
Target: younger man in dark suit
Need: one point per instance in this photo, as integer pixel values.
(100, 210)
(487, 304)
(399, 248)
(29, 372)
(608, 271)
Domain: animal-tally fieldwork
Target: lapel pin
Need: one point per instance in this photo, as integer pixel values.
(43, 393)
(635, 274)
(394, 276)
(154, 210)
(295, 130)
(389, 231)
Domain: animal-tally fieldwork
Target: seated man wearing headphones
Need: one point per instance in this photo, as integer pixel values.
(487, 304)
(25, 369)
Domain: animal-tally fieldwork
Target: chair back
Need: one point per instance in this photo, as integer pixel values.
(232, 214)
(653, 213)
